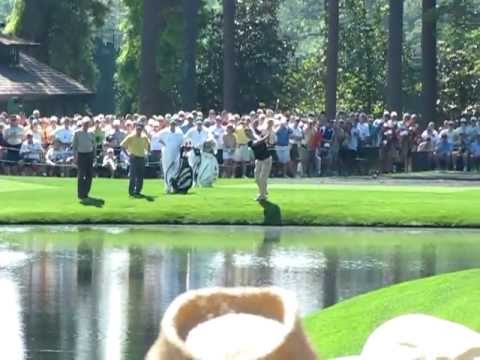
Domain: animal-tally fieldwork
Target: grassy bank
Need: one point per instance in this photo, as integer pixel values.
(53, 201)
(343, 329)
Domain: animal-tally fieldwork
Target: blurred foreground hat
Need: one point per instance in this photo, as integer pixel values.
(218, 312)
(420, 336)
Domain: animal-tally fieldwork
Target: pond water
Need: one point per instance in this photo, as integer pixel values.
(89, 293)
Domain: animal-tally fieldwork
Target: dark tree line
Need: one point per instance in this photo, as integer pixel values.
(231, 54)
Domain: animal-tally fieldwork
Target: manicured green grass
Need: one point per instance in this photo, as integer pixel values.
(53, 200)
(344, 328)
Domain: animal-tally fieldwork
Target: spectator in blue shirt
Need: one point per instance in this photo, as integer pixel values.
(283, 151)
(443, 153)
(188, 125)
(475, 154)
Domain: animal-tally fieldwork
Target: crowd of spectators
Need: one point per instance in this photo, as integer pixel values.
(309, 145)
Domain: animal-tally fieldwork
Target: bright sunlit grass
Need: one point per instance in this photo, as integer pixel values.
(53, 200)
(344, 328)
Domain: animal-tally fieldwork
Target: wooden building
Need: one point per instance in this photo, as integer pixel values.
(30, 84)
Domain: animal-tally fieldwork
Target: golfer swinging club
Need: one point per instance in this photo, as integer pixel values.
(263, 159)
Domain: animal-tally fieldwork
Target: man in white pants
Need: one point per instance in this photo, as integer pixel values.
(172, 140)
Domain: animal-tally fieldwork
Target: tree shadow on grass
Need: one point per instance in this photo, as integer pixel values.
(271, 212)
(98, 203)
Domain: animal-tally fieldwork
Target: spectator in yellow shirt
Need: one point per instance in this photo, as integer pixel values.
(242, 152)
(136, 145)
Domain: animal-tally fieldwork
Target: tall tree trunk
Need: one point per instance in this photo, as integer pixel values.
(150, 94)
(395, 41)
(429, 60)
(332, 60)
(191, 8)
(229, 55)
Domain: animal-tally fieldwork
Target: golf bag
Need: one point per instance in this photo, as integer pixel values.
(207, 171)
(195, 162)
(183, 179)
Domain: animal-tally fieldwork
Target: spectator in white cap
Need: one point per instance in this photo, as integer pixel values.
(196, 136)
(189, 123)
(31, 154)
(64, 134)
(117, 135)
(218, 132)
(110, 162)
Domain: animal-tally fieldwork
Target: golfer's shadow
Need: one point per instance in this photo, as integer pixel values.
(148, 198)
(272, 213)
(99, 203)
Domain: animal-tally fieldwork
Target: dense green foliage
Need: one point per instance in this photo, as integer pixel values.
(343, 329)
(128, 61)
(459, 51)
(5, 8)
(66, 31)
(363, 52)
(169, 54)
(232, 202)
(280, 50)
(262, 56)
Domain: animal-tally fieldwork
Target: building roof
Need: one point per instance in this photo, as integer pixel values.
(10, 40)
(32, 79)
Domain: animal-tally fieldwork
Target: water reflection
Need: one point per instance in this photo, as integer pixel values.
(11, 328)
(100, 293)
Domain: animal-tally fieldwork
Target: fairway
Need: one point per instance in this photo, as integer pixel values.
(343, 329)
(8, 185)
(53, 200)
